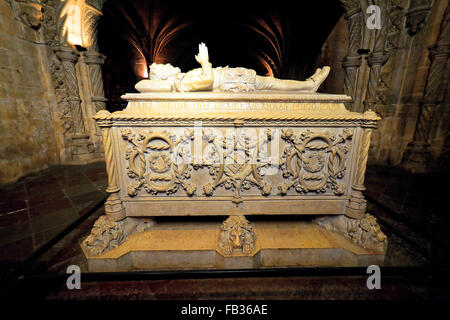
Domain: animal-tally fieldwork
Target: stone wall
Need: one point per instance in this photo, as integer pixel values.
(402, 84)
(27, 133)
(400, 71)
(49, 88)
(333, 53)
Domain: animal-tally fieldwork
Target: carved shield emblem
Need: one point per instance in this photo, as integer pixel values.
(314, 161)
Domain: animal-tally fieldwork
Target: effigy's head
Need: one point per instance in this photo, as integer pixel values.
(163, 71)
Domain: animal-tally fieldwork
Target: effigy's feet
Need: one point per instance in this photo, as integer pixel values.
(318, 77)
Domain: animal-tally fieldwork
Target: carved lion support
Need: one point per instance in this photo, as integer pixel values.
(236, 236)
(108, 234)
(364, 232)
(356, 206)
(113, 228)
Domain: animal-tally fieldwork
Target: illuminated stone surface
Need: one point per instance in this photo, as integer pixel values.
(212, 153)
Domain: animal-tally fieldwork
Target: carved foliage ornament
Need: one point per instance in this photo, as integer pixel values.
(314, 161)
(158, 162)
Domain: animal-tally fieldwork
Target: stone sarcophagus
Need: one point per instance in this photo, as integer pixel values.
(234, 154)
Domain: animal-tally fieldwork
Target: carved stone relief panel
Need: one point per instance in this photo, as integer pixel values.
(158, 162)
(314, 161)
(236, 162)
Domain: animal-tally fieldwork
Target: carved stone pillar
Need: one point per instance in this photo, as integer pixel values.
(113, 206)
(352, 61)
(417, 154)
(95, 61)
(91, 85)
(356, 207)
(351, 66)
(378, 57)
(80, 140)
(376, 61)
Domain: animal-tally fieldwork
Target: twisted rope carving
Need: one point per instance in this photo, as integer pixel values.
(96, 79)
(424, 123)
(353, 60)
(221, 117)
(350, 79)
(363, 156)
(355, 34)
(74, 97)
(110, 166)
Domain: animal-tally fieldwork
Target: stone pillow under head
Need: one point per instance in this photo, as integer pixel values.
(147, 85)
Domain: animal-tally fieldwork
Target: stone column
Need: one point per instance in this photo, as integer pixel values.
(352, 61)
(376, 61)
(91, 84)
(80, 140)
(95, 61)
(417, 154)
(356, 207)
(378, 57)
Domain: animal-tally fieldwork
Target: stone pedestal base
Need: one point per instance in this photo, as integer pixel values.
(198, 245)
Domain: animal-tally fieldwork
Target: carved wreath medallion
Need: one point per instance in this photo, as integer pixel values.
(158, 161)
(314, 161)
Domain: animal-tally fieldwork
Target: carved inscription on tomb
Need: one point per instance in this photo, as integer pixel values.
(230, 106)
(314, 161)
